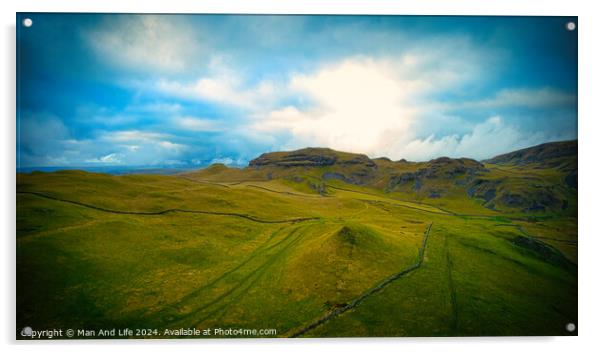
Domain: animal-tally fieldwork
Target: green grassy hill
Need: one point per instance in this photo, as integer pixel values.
(312, 242)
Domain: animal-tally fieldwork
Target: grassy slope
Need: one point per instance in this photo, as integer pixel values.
(78, 267)
(473, 282)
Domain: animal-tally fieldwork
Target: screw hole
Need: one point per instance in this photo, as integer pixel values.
(571, 26)
(571, 327)
(27, 22)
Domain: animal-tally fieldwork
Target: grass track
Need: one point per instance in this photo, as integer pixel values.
(452, 287)
(222, 301)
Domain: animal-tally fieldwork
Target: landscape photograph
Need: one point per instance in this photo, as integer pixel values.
(280, 176)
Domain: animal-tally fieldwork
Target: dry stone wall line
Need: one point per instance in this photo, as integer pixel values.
(170, 210)
(371, 291)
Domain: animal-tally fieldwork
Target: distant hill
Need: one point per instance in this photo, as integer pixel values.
(543, 153)
(542, 178)
(320, 157)
(310, 157)
(560, 155)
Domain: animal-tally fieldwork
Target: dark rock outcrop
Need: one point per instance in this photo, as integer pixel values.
(444, 167)
(336, 176)
(537, 200)
(483, 189)
(542, 251)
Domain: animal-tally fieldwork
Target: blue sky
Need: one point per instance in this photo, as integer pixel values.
(189, 90)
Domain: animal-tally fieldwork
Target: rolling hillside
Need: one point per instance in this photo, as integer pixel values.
(533, 180)
(312, 243)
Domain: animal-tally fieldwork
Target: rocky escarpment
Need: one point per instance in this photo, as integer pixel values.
(444, 169)
(509, 182)
(533, 200)
(529, 196)
(311, 157)
(348, 167)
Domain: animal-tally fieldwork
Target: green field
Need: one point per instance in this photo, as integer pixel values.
(294, 249)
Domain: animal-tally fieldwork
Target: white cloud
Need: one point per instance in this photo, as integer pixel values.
(381, 107)
(156, 42)
(111, 158)
(133, 136)
(225, 161)
(359, 104)
(157, 108)
(134, 140)
(372, 81)
(486, 140)
(373, 105)
(219, 84)
(131, 148)
(170, 145)
(521, 97)
(45, 141)
(227, 89)
(196, 124)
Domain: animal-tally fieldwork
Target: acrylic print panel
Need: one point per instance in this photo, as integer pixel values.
(219, 176)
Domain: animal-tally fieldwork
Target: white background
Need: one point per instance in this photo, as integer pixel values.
(590, 185)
